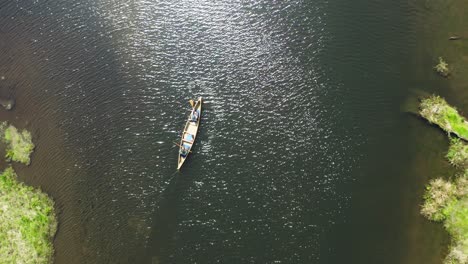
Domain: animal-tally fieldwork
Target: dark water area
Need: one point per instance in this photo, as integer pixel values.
(304, 155)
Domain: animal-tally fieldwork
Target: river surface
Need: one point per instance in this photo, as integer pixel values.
(303, 154)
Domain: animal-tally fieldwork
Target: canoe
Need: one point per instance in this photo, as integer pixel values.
(190, 133)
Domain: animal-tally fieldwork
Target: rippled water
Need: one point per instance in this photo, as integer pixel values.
(301, 110)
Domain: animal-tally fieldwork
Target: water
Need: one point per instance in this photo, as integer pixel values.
(303, 154)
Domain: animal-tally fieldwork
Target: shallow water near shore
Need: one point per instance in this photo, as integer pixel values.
(303, 154)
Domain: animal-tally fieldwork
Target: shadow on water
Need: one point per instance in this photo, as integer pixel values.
(164, 227)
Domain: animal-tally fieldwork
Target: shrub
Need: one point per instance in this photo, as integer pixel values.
(457, 153)
(442, 68)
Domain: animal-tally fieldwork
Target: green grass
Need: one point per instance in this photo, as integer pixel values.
(436, 110)
(19, 144)
(27, 222)
(456, 223)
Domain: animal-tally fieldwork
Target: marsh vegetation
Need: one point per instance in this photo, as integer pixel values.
(457, 154)
(436, 110)
(27, 219)
(442, 68)
(19, 143)
(27, 222)
(444, 200)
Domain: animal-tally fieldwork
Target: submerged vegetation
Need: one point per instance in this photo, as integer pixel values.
(442, 68)
(436, 110)
(27, 222)
(447, 201)
(19, 144)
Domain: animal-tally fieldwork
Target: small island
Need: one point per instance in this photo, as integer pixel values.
(27, 219)
(447, 201)
(19, 144)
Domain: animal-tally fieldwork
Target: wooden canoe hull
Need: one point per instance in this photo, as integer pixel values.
(189, 133)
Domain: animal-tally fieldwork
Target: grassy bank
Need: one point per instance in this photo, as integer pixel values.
(19, 143)
(436, 110)
(27, 222)
(447, 201)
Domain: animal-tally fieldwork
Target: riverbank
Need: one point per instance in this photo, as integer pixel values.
(442, 33)
(27, 219)
(447, 200)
